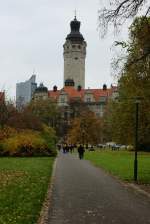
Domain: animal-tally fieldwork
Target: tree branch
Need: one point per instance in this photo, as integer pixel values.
(123, 10)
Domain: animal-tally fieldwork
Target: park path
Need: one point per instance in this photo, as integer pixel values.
(84, 194)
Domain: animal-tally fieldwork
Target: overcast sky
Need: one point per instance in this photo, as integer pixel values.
(32, 34)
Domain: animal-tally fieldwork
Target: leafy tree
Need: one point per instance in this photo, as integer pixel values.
(3, 113)
(76, 107)
(46, 110)
(134, 81)
(85, 129)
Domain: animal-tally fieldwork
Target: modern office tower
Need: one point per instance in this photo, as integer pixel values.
(24, 91)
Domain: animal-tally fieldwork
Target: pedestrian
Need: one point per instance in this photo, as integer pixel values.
(81, 151)
(64, 148)
(71, 148)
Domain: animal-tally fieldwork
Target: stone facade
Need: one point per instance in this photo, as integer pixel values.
(74, 55)
(95, 99)
(40, 93)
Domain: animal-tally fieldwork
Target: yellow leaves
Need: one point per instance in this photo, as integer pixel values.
(6, 132)
(25, 139)
(86, 128)
(9, 177)
(27, 142)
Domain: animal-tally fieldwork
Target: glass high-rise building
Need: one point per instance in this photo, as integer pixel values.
(24, 91)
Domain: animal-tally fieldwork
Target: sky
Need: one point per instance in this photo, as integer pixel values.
(32, 34)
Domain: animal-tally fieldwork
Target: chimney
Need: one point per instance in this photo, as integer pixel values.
(79, 88)
(104, 87)
(55, 88)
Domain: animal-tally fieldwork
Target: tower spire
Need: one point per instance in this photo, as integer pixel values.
(75, 14)
(33, 71)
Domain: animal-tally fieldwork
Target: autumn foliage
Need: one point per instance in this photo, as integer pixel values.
(133, 86)
(85, 129)
(22, 133)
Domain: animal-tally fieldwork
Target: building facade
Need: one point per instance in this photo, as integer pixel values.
(73, 91)
(95, 99)
(25, 91)
(41, 92)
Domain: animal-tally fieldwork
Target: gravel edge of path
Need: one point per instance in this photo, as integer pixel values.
(139, 188)
(43, 219)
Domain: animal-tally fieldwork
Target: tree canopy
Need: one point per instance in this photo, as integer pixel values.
(46, 110)
(134, 82)
(85, 129)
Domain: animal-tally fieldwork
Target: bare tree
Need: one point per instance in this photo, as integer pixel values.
(120, 11)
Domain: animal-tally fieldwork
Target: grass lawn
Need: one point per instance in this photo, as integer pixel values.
(23, 187)
(120, 163)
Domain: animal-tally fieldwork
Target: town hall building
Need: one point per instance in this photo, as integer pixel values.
(74, 78)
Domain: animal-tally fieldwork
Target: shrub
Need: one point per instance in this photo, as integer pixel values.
(1, 148)
(7, 132)
(3, 152)
(29, 143)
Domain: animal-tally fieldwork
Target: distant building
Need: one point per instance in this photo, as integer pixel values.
(41, 92)
(24, 91)
(94, 99)
(74, 91)
(74, 98)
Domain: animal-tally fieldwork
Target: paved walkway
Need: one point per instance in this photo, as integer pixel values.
(84, 194)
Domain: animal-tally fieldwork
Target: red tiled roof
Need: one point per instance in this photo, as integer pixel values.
(74, 93)
(54, 94)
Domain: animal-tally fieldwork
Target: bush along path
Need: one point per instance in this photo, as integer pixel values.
(27, 142)
(83, 194)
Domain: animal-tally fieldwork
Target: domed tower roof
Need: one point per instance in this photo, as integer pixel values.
(75, 34)
(41, 88)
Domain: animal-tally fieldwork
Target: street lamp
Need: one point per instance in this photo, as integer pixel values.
(136, 138)
(137, 101)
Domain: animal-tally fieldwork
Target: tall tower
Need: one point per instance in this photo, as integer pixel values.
(74, 55)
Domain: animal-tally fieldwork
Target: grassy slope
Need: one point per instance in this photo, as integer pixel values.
(23, 186)
(120, 163)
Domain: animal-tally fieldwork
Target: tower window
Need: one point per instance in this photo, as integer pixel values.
(88, 99)
(76, 58)
(103, 99)
(62, 100)
(79, 46)
(73, 46)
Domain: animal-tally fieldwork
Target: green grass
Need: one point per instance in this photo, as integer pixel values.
(120, 163)
(23, 187)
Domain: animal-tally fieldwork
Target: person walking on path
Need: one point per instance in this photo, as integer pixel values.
(81, 151)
